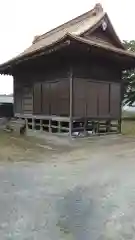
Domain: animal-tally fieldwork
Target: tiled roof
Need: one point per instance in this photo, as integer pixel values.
(75, 27)
(74, 30)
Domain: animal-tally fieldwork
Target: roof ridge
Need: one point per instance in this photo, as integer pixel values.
(96, 10)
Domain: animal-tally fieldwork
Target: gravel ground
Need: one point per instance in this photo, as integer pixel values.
(86, 192)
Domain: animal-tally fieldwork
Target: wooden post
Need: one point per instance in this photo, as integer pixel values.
(121, 99)
(59, 127)
(26, 121)
(33, 124)
(98, 128)
(119, 125)
(14, 91)
(108, 126)
(71, 101)
(85, 121)
(41, 125)
(50, 128)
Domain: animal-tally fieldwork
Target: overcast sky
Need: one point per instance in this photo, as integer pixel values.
(21, 20)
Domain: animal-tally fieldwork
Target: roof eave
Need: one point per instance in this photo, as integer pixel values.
(114, 33)
(42, 51)
(64, 41)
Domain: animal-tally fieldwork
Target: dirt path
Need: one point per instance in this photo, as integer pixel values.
(86, 191)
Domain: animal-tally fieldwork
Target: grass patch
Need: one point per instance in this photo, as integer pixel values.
(128, 127)
(18, 148)
(128, 114)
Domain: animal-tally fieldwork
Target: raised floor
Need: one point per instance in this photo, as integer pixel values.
(74, 127)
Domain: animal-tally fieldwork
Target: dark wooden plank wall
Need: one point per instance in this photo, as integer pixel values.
(52, 97)
(115, 99)
(46, 98)
(103, 95)
(37, 101)
(27, 101)
(17, 96)
(43, 93)
(96, 99)
(51, 92)
(97, 90)
(97, 69)
(23, 95)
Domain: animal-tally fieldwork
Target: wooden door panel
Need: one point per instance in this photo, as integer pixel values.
(54, 98)
(79, 88)
(79, 108)
(92, 99)
(27, 101)
(115, 100)
(37, 101)
(59, 94)
(18, 102)
(63, 89)
(46, 98)
(103, 99)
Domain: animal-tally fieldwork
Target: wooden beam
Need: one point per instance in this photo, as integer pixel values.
(71, 101)
(121, 100)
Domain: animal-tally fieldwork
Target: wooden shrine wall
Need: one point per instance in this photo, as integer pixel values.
(51, 97)
(95, 99)
(23, 95)
(96, 92)
(42, 94)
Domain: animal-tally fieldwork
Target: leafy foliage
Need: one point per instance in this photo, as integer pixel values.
(129, 78)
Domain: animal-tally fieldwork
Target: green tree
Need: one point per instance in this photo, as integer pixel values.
(129, 78)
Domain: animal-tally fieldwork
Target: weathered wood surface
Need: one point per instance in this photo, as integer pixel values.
(95, 99)
(96, 91)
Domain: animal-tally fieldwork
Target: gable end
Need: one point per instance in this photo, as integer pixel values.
(103, 31)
